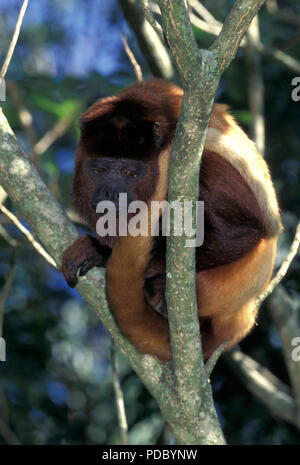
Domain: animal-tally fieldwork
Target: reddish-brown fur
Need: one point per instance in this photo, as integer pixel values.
(241, 228)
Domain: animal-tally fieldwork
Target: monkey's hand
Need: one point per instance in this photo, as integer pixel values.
(81, 256)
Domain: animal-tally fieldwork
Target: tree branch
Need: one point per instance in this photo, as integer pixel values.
(14, 40)
(203, 12)
(215, 27)
(283, 268)
(150, 44)
(200, 73)
(255, 86)
(119, 395)
(286, 319)
(10, 240)
(184, 165)
(150, 18)
(235, 26)
(133, 60)
(57, 131)
(263, 385)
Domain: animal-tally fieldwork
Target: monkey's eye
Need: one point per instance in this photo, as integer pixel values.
(100, 170)
(129, 173)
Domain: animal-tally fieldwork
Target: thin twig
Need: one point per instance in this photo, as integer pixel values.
(3, 195)
(263, 385)
(211, 362)
(6, 288)
(58, 130)
(133, 60)
(8, 434)
(151, 46)
(119, 395)
(14, 40)
(287, 16)
(213, 28)
(284, 313)
(10, 240)
(203, 12)
(272, 6)
(5, 429)
(37, 147)
(284, 267)
(255, 86)
(24, 115)
(4, 410)
(280, 56)
(29, 236)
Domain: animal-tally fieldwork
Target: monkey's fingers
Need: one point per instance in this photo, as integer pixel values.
(69, 270)
(89, 263)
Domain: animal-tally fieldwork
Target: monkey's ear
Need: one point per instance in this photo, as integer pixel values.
(157, 135)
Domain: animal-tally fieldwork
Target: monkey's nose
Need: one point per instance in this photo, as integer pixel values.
(103, 194)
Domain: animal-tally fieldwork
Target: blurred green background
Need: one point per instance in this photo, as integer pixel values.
(56, 387)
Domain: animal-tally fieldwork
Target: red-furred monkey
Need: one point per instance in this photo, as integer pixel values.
(125, 147)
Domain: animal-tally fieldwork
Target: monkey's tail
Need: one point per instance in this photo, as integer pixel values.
(138, 321)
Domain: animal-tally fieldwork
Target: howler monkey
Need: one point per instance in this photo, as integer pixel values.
(125, 147)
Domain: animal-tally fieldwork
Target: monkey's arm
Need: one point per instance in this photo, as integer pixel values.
(82, 255)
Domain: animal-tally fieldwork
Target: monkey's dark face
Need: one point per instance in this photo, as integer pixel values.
(116, 158)
(112, 177)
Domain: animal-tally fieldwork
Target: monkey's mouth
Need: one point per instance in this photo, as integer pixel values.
(115, 214)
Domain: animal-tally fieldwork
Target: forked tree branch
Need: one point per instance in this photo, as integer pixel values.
(200, 72)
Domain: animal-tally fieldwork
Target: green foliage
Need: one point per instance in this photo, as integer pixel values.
(58, 109)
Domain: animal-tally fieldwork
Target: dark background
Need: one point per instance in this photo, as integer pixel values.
(55, 387)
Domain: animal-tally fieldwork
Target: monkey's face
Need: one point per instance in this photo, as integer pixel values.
(102, 179)
(118, 153)
(113, 161)
(112, 177)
